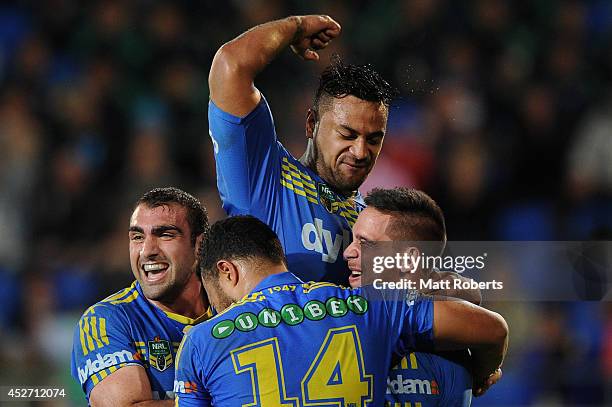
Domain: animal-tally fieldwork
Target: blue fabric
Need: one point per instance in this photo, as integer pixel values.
(319, 337)
(257, 176)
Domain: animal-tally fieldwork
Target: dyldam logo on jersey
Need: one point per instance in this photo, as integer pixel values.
(316, 237)
(102, 362)
(399, 385)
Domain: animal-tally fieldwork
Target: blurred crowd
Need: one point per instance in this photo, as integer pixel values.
(504, 117)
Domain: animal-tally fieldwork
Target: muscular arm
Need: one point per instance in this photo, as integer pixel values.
(459, 323)
(128, 386)
(237, 63)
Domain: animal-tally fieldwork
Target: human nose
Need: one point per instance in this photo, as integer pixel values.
(352, 251)
(359, 149)
(150, 247)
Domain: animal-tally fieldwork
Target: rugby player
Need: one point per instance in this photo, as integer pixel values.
(312, 202)
(409, 215)
(125, 346)
(280, 342)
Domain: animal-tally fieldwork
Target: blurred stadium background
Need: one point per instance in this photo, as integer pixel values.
(505, 119)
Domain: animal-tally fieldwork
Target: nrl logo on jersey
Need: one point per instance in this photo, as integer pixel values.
(160, 354)
(327, 198)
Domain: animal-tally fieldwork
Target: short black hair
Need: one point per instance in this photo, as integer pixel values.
(238, 238)
(339, 80)
(197, 217)
(418, 216)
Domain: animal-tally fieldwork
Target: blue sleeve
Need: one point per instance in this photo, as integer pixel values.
(455, 382)
(102, 344)
(247, 155)
(411, 316)
(188, 377)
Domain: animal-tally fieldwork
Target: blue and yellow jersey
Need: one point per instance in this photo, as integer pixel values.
(290, 343)
(126, 329)
(257, 176)
(430, 380)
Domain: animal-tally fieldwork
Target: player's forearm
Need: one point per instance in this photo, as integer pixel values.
(237, 63)
(249, 53)
(459, 324)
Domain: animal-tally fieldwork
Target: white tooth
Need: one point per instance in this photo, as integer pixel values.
(154, 267)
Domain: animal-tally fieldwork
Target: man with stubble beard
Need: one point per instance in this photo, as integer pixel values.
(124, 346)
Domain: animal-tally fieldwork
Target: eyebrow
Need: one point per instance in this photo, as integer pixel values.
(371, 135)
(157, 230)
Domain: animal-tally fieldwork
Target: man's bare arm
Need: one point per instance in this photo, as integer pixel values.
(127, 387)
(459, 323)
(237, 63)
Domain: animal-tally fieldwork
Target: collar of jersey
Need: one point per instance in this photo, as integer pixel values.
(277, 279)
(177, 317)
(188, 321)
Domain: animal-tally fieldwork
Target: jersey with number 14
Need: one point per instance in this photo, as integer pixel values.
(290, 343)
(257, 176)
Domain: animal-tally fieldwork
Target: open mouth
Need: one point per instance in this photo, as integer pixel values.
(355, 278)
(154, 272)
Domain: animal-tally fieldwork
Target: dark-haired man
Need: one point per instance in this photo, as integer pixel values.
(280, 342)
(124, 346)
(412, 216)
(312, 202)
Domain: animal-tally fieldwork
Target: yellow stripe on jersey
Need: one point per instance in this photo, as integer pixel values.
(413, 361)
(86, 329)
(126, 300)
(103, 334)
(120, 294)
(298, 191)
(308, 287)
(404, 363)
(82, 337)
(94, 332)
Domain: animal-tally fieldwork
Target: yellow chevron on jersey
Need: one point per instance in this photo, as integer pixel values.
(297, 181)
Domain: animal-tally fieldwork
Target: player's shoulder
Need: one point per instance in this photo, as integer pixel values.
(115, 305)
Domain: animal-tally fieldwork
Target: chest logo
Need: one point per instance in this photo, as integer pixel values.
(327, 198)
(160, 354)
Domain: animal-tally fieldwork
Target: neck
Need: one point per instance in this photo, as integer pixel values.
(308, 158)
(263, 272)
(192, 302)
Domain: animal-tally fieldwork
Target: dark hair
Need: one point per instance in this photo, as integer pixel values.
(418, 217)
(238, 237)
(197, 218)
(339, 80)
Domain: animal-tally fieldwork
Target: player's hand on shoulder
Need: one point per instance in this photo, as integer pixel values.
(480, 387)
(314, 32)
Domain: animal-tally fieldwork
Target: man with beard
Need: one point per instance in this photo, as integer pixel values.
(124, 346)
(311, 203)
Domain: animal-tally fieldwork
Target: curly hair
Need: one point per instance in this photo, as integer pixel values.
(339, 80)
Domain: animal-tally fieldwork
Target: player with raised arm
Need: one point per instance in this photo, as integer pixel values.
(280, 342)
(312, 202)
(124, 346)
